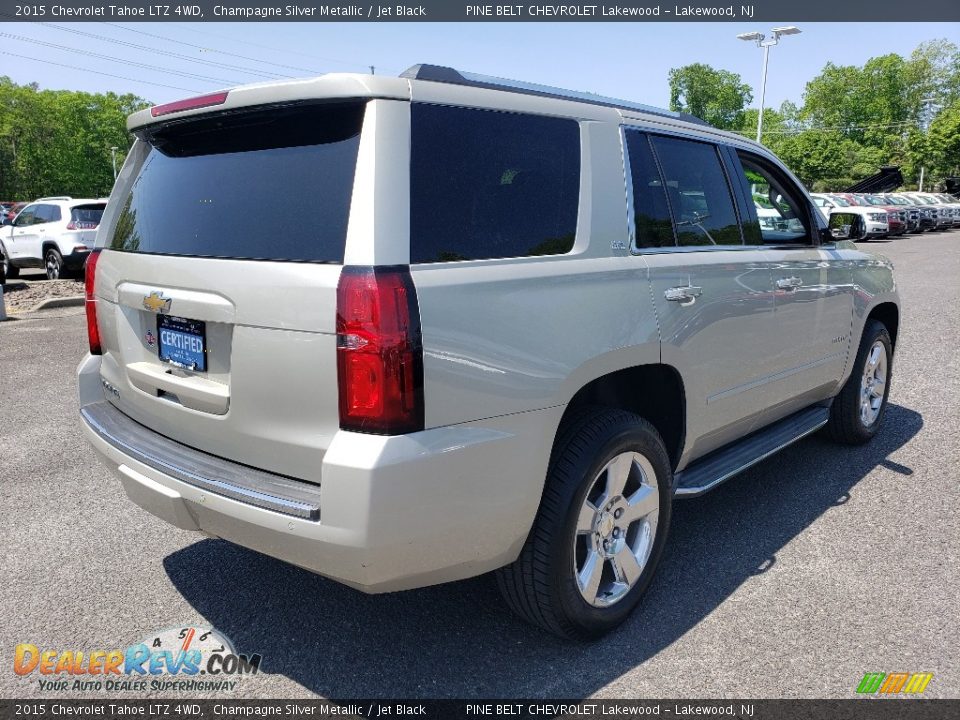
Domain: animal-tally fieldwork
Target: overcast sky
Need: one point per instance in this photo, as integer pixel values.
(627, 60)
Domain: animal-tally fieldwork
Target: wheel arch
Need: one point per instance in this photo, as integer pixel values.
(47, 244)
(889, 314)
(655, 392)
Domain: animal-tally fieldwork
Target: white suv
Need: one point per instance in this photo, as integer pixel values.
(489, 327)
(874, 222)
(54, 233)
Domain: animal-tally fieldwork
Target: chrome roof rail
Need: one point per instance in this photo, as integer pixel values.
(440, 73)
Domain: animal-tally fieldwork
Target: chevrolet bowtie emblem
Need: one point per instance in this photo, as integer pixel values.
(156, 302)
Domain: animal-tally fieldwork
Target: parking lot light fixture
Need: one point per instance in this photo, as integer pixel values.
(762, 42)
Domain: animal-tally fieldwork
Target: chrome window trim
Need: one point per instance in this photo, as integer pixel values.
(628, 182)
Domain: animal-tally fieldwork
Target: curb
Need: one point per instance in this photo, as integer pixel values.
(51, 303)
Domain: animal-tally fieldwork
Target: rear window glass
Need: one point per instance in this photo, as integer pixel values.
(488, 184)
(88, 214)
(273, 184)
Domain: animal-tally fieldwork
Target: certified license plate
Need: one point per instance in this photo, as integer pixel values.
(182, 342)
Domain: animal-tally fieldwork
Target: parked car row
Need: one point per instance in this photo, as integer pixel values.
(893, 214)
(53, 233)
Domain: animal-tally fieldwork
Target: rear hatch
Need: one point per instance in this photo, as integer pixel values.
(216, 285)
(83, 223)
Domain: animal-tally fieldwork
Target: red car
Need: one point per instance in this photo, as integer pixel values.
(896, 215)
(10, 210)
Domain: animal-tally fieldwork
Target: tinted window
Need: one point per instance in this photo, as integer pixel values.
(698, 192)
(47, 213)
(271, 184)
(55, 213)
(487, 184)
(87, 214)
(651, 214)
(779, 209)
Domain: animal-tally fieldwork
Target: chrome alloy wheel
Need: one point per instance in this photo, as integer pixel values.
(873, 384)
(616, 528)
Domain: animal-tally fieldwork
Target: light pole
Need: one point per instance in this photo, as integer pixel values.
(925, 125)
(762, 42)
(113, 156)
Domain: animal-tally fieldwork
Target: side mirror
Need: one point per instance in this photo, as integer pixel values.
(844, 226)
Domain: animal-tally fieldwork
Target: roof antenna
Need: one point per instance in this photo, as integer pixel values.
(373, 70)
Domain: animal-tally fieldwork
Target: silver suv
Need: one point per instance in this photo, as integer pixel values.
(490, 326)
(53, 233)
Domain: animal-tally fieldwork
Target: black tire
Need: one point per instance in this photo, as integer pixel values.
(541, 585)
(862, 236)
(847, 424)
(8, 269)
(53, 263)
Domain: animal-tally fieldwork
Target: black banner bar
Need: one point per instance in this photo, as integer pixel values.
(479, 11)
(871, 708)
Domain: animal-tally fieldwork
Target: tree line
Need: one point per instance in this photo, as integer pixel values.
(57, 142)
(851, 120)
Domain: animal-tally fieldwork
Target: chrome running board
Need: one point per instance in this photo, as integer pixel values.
(711, 470)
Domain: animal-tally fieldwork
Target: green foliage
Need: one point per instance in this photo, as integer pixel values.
(943, 142)
(855, 119)
(57, 142)
(717, 96)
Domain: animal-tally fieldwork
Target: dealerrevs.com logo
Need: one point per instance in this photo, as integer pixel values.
(898, 683)
(188, 659)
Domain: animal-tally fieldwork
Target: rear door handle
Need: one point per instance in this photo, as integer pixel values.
(686, 295)
(789, 283)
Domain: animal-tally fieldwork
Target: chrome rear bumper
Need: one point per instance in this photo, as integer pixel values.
(202, 470)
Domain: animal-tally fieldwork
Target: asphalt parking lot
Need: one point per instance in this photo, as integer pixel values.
(792, 580)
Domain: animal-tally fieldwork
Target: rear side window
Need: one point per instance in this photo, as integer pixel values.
(271, 184)
(698, 192)
(486, 184)
(47, 214)
(651, 214)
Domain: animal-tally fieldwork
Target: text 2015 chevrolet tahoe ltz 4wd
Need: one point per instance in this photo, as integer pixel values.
(475, 326)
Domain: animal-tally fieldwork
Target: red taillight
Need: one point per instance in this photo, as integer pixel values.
(189, 104)
(71, 225)
(89, 277)
(379, 351)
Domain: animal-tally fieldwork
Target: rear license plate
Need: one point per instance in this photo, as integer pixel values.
(182, 342)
